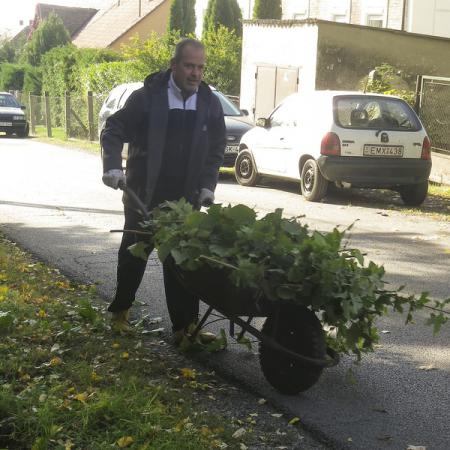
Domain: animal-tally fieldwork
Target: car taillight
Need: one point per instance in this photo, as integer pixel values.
(331, 145)
(426, 148)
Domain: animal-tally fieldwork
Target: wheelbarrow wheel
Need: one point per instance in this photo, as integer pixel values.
(300, 331)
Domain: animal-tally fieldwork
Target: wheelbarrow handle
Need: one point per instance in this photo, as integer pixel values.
(135, 200)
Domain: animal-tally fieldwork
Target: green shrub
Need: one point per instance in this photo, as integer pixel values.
(32, 81)
(223, 65)
(267, 9)
(101, 78)
(11, 76)
(49, 34)
(389, 81)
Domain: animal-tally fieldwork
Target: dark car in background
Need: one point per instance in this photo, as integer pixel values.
(12, 117)
(236, 121)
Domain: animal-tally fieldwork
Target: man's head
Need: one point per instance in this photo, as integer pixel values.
(187, 65)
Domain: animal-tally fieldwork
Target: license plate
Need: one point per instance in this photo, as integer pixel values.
(5, 124)
(231, 149)
(383, 150)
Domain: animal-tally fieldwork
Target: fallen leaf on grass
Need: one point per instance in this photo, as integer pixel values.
(416, 447)
(125, 441)
(125, 355)
(262, 401)
(276, 415)
(82, 397)
(188, 373)
(294, 421)
(55, 361)
(239, 433)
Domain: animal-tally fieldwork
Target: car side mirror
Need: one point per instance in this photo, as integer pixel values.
(244, 112)
(262, 122)
(23, 107)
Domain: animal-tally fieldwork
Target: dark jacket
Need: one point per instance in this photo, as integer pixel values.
(142, 122)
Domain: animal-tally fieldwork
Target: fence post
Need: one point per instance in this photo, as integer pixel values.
(67, 113)
(47, 115)
(91, 116)
(417, 94)
(32, 114)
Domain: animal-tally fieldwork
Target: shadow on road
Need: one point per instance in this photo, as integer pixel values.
(62, 208)
(367, 198)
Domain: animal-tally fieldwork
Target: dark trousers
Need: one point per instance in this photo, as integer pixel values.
(182, 305)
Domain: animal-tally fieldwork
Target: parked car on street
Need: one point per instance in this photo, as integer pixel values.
(236, 121)
(12, 117)
(345, 138)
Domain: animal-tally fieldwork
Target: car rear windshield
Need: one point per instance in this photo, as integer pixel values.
(8, 101)
(376, 113)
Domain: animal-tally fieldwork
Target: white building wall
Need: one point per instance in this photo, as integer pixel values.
(293, 46)
(429, 17)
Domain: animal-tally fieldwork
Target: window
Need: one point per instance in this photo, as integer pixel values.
(375, 21)
(285, 114)
(342, 18)
(368, 112)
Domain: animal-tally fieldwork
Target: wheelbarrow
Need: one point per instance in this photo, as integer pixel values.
(292, 344)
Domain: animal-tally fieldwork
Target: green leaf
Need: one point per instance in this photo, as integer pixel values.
(139, 250)
(6, 321)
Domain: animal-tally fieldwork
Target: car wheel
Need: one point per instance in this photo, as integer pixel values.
(313, 184)
(245, 170)
(414, 194)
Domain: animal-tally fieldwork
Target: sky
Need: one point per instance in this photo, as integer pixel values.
(13, 11)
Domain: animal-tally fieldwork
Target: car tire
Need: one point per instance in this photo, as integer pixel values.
(299, 330)
(245, 169)
(414, 194)
(312, 183)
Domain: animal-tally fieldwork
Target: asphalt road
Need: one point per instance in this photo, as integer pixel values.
(53, 203)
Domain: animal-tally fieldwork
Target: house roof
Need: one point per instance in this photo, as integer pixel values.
(73, 18)
(111, 22)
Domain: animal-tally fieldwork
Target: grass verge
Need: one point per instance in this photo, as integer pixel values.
(59, 138)
(66, 382)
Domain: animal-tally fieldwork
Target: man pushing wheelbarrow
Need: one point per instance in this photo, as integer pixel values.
(176, 133)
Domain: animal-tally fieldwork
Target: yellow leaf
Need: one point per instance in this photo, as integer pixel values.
(116, 345)
(294, 421)
(68, 445)
(81, 397)
(56, 361)
(125, 355)
(42, 313)
(96, 377)
(188, 373)
(125, 441)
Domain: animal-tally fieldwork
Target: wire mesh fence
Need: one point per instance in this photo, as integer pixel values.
(69, 116)
(435, 111)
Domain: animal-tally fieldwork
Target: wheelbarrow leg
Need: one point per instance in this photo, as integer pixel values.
(202, 321)
(241, 334)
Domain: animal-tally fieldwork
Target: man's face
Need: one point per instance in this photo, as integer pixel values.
(188, 72)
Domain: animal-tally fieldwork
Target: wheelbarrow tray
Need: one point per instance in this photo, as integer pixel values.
(214, 287)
